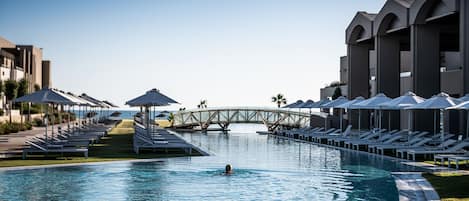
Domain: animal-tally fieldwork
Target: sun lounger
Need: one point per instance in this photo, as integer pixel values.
(58, 142)
(442, 157)
(38, 148)
(304, 134)
(376, 135)
(321, 132)
(402, 153)
(372, 147)
(336, 134)
(457, 159)
(385, 139)
(417, 142)
(457, 148)
(338, 141)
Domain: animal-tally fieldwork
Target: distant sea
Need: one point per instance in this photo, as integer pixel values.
(125, 114)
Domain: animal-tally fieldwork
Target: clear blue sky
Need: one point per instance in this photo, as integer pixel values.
(232, 53)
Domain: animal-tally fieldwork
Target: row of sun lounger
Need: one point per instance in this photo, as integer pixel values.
(157, 138)
(398, 143)
(72, 141)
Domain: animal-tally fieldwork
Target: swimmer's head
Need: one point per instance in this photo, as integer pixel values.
(228, 168)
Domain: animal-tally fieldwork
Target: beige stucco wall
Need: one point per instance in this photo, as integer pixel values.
(37, 66)
(15, 117)
(4, 43)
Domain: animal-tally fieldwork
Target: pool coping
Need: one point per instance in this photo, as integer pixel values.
(413, 186)
(81, 164)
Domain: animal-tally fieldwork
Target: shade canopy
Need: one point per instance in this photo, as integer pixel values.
(294, 105)
(461, 106)
(151, 98)
(81, 101)
(401, 102)
(109, 103)
(347, 104)
(334, 103)
(307, 104)
(464, 98)
(95, 101)
(371, 103)
(76, 100)
(321, 103)
(440, 101)
(45, 96)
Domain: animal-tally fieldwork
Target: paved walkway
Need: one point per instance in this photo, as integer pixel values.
(13, 143)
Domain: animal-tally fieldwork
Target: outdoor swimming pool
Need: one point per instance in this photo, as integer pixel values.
(265, 169)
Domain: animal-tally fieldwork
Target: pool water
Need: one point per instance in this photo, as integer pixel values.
(265, 168)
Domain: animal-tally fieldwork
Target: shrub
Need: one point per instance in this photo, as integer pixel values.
(11, 127)
(6, 128)
(337, 93)
(66, 115)
(38, 122)
(35, 109)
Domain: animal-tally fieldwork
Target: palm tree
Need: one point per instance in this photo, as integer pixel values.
(279, 99)
(171, 119)
(202, 104)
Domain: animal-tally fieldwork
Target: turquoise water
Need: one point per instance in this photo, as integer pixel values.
(265, 168)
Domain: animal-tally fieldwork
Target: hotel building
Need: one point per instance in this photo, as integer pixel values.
(24, 61)
(409, 45)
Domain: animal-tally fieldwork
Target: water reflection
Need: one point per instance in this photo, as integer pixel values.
(265, 168)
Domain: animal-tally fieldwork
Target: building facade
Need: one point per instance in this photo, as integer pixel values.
(328, 91)
(23, 61)
(410, 45)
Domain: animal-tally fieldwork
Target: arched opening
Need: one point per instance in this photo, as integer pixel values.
(393, 58)
(361, 66)
(357, 34)
(437, 54)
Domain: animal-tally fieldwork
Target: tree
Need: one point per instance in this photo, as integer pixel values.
(23, 87)
(11, 91)
(337, 93)
(279, 99)
(171, 119)
(202, 104)
(37, 87)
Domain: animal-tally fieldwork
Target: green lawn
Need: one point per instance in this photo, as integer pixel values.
(114, 147)
(463, 165)
(450, 187)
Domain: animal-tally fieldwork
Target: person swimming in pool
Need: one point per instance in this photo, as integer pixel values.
(228, 170)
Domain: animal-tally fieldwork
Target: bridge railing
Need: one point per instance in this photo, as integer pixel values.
(227, 115)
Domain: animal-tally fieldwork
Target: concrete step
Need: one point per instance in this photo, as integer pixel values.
(412, 186)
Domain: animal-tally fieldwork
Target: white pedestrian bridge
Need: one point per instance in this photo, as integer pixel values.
(224, 116)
